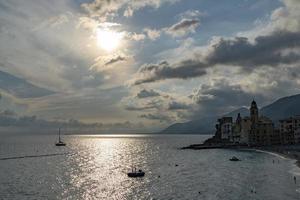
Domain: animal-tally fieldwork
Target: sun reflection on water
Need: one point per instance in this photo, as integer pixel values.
(102, 166)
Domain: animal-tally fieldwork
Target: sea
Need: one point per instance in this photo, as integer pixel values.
(96, 166)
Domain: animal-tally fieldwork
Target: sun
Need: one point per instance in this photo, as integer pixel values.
(109, 40)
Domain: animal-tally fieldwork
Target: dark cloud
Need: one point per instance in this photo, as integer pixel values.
(157, 117)
(138, 104)
(139, 108)
(174, 105)
(115, 60)
(183, 27)
(265, 50)
(155, 72)
(147, 93)
(222, 97)
(185, 23)
(270, 50)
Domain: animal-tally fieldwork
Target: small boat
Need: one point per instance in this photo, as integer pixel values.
(135, 173)
(234, 159)
(60, 143)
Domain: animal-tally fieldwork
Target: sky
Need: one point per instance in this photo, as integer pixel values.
(145, 64)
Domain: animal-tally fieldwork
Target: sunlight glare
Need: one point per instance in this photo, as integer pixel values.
(108, 40)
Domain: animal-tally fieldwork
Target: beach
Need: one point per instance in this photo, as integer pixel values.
(289, 151)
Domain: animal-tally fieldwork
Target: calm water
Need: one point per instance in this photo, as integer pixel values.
(95, 167)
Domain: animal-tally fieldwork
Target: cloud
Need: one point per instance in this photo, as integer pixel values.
(110, 62)
(20, 87)
(192, 14)
(286, 17)
(137, 37)
(187, 24)
(221, 96)
(9, 118)
(265, 50)
(155, 72)
(157, 117)
(53, 46)
(142, 103)
(128, 12)
(87, 23)
(164, 107)
(115, 60)
(268, 50)
(275, 45)
(103, 8)
(55, 21)
(183, 27)
(174, 105)
(147, 93)
(136, 108)
(153, 34)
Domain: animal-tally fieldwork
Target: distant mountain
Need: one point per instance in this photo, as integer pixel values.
(20, 87)
(282, 108)
(202, 126)
(205, 125)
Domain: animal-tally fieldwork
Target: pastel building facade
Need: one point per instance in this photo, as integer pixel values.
(290, 130)
(262, 127)
(251, 130)
(225, 127)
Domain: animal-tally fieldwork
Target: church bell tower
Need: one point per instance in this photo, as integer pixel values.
(254, 112)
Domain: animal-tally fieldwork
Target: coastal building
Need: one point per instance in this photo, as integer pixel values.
(261, 127)
(252, 130)
(245, 130)
(257, 130)
(217, 135)
(290, 130)
(276, 137)
(297, 136)
(236, 130)
(241, 130)
(225, 128)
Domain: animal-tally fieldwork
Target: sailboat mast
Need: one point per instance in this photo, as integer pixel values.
(59, 134)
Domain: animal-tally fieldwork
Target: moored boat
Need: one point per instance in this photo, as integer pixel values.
(135, 173)
(60, 142)
(234, 159)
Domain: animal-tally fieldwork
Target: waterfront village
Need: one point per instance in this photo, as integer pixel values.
(253, 131)
(257, 130)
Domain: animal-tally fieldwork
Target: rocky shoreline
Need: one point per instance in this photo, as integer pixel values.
(288, 151)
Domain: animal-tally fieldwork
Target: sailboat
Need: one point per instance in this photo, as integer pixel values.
(60, 143)
(135, 173)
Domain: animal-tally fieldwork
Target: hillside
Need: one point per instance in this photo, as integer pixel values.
(281, 108)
